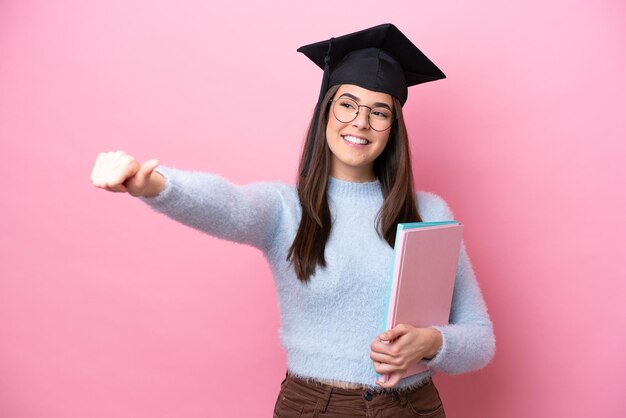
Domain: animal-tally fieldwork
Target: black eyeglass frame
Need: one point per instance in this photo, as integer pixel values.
(357, 114)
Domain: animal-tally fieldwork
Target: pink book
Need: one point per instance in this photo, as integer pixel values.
(420, 291)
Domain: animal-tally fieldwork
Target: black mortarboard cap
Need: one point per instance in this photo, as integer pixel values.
(380, 58)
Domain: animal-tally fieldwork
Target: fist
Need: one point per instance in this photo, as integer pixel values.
(120, 172)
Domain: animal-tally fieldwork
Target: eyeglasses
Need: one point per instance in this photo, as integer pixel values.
(346, 110)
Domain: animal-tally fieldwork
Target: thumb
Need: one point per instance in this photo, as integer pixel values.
(392, 334)
(148, 167)
(139, 179)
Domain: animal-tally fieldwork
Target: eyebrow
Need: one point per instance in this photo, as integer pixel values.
(377, 104)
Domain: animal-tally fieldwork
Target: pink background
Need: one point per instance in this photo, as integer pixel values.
(108, 309)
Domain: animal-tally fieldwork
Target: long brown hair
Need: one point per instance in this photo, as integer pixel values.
(392, 168)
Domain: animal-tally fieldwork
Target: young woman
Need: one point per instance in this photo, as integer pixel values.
(329, 239)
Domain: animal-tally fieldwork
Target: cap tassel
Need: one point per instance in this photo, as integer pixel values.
(324, 87)
(318, 107)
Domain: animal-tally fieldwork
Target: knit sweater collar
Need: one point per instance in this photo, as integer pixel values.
(353, 190)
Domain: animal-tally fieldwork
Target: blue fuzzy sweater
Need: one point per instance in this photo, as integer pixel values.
(327, 325)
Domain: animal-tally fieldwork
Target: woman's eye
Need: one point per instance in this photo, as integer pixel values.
(379, 114)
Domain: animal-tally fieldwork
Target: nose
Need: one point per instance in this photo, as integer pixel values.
(362, 119)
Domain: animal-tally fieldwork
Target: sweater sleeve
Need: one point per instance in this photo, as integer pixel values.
(247, 214)
(468, 339)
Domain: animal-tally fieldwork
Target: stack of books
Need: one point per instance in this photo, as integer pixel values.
(422, 278)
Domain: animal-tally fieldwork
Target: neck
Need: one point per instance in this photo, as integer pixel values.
(360, 175)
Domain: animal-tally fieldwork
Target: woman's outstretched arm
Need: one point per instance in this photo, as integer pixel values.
(247, 214)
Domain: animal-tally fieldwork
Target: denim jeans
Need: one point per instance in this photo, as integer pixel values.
(301, 399)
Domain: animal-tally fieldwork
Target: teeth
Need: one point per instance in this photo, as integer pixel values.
(355, 140)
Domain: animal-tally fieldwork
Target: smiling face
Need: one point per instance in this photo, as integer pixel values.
(355, 145)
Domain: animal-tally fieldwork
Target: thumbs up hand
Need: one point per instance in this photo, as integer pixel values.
(120, 172)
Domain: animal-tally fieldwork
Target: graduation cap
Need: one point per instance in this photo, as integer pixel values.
(380, 58)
